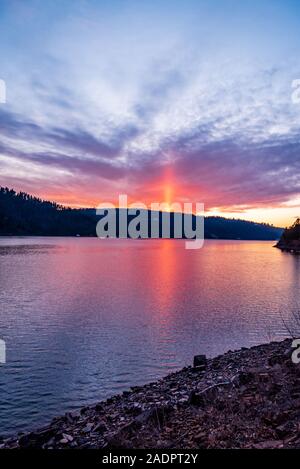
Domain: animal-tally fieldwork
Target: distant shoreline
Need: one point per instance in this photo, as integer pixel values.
(131, 239)
(24, 215)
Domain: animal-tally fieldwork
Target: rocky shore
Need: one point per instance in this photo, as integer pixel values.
(290, 239)
(248, 398)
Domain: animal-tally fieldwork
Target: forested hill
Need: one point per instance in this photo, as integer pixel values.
(290, 239)
(24, 215)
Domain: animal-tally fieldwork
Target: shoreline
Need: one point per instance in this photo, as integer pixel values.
(286, 248)
(248, 398)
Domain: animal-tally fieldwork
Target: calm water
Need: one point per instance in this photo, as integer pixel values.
(86, 318)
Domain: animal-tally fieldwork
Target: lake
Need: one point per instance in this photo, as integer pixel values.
(86, 318)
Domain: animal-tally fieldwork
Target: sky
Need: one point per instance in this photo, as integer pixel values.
(165, 101)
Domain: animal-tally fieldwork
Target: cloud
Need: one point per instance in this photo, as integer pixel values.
(228, 156)
(199, 100)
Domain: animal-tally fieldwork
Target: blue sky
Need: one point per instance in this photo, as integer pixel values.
(192, 97)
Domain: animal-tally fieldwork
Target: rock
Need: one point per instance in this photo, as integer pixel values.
(283, 430)
(100, 427)
(200, 437)
(288, 353)
(270, 444)
(199, 369)
(276, 359)
(36, 439)
(245, 377)
(155, 415)
(196, 399)
(83, 410)
(88, 428)
(200, 360)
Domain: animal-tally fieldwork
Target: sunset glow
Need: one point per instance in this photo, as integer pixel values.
(181, 102)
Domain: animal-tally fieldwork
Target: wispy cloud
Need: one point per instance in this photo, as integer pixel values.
(133, 97)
